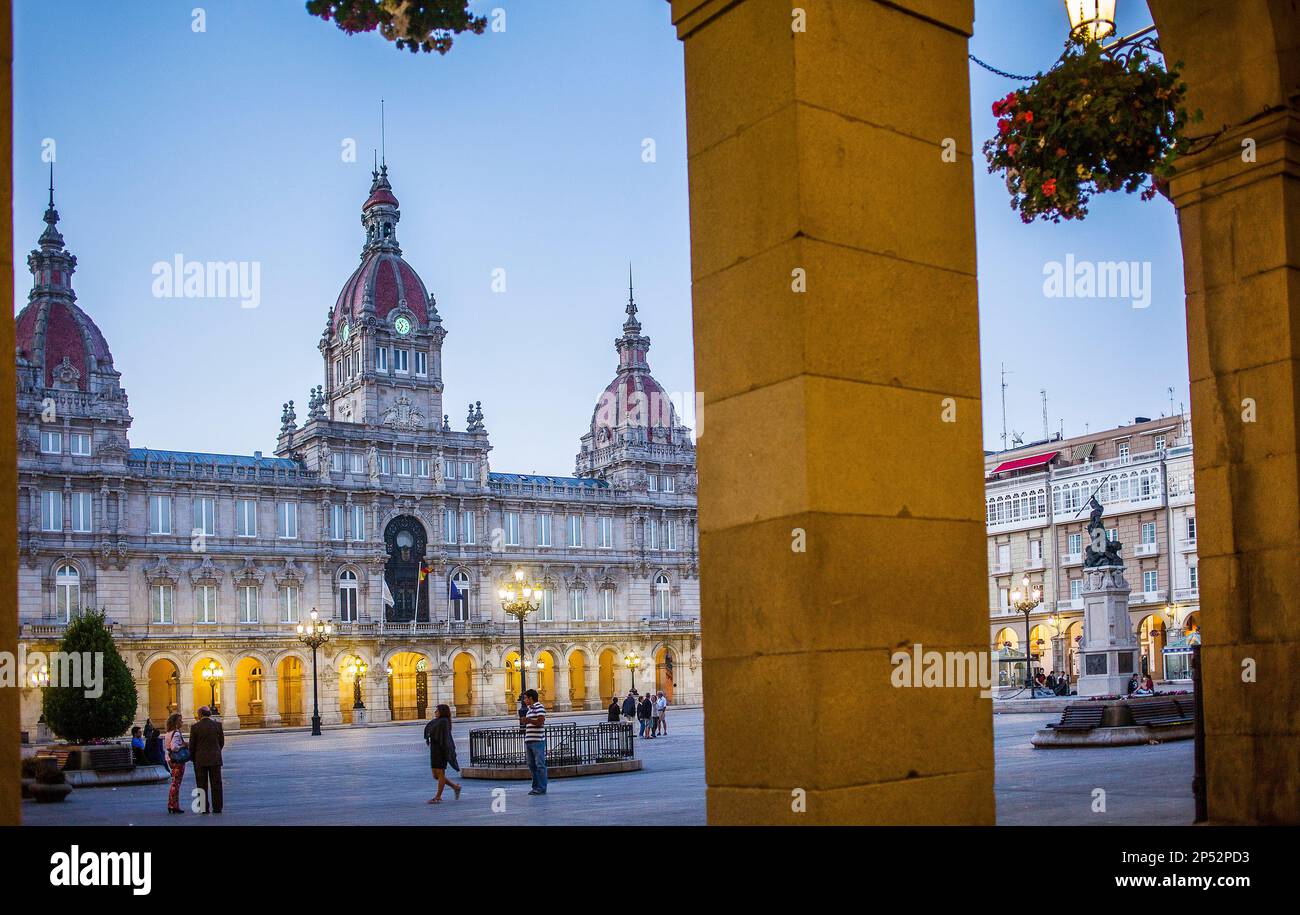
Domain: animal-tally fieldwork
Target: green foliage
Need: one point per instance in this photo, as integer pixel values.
(415, 25)
(1093, 123)
(69, 712)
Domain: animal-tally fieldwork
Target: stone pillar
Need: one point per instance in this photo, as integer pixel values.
(185, 699)
(330, 684)
(271, 700)
(491, 689)
(375, 694)
(562, 683)
(1109, 656)
(591, 683)
(835, 317)
(141, 699)
(1239, 212)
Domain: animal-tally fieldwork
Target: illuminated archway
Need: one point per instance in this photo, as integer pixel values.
(1152, 638)
(544, 678)
(462, 676)
(291, 677)
(578, 680)
(249, 696)
(408, 686)
(512, 679)
(164, 690)
(209, 691)
(665, 671)
(606, 665)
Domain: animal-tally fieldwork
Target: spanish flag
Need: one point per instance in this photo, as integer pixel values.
(425, 572)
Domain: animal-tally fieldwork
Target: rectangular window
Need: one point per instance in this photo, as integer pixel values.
(1004, 598)
(347, 365)
(449, 525)
(205, 516)
(51, 510)
(654, 482)
(421, 363)
(338, 371)
(1036, 550)
(1149, 580)
(51, 442)
(467, 527)
(403, 466)
(80, 442)
(669, 485)
(605, 533)
(385, 464)
(161, 600)
(160, 514)
(1192, 577)
(248, 603)
(1148, 532)
(547, 609)
(289, 604)
(381, 359)
(1160, 443)
(1004, 555)
(670, 535)
(606, 604)
(336, 462)
(245, 517)
(467, 470)
(421, 467)
(83, 510)
(205, 604)
(358, 462)
(288, 520)
(511, 520)
(1075, 544)
(338, 526)
(543, 530)
(577, 606)
(652, 534)
(358, 523)
(1123, 451)
(575, 530)
(1076, 588)
(401, 359)
(449, 470)
(1191, 528)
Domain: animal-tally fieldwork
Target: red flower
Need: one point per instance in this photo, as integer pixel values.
(1029, 117)
(1049, 187)
(1060, 152)
(1004, 127)
(1012, 149)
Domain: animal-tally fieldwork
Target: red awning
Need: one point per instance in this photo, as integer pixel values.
(1021, 463)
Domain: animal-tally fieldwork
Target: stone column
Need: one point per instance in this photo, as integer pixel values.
(835, 317)
(591, 684)
(375, 693)
(271, 700)
(330, 707)
(562, 683)
(141, 699)
(184, 698)
(1239, 212)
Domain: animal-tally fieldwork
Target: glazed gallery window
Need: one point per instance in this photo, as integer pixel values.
(577, 605)
(287, 520)
(605, 533)
(606, 604)
(51, 442)
(511, 521)
(575, 530)
(289, 604)
(348, 596)
(1149, 581)
(662, 596)
(543, 530)
(51, 510)
(161, 603)
(83, 509)
(338, 527)
(67, 592)
(205, 516)
(80, 444)
(449, 525)
(245, 517)
(160, 514)
(247, 603)
(358, 523)
(205, 604)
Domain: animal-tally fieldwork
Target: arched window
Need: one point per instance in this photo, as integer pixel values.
(67, 592)
(458, 595)
(347, 596)
(661, 596)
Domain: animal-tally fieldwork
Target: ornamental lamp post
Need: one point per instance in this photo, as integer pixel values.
(632, 661)
(519, 599)
(1091, 20)
(1025, 600)
(357, 668)
(214, 675)
(315, 633)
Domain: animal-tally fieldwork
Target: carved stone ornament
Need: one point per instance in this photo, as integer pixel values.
(206, 570)
(290, 574)
(65, 373)
(249, 572)
(402, 415)
(162, 571)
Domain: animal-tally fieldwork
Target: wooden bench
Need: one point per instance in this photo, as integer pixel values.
(1161, 713)
(1080, 717)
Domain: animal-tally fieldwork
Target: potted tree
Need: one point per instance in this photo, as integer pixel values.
(44, 781)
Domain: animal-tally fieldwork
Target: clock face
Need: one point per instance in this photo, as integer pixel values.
(402, 325)
(347, 331)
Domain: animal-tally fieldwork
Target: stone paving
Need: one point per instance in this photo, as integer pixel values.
(380, 775)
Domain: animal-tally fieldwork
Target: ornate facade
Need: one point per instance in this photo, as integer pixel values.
(374, 511)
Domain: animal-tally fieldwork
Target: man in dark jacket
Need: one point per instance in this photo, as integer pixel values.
(629, 706)
(645, 712)
(612, 717)
(206, 740)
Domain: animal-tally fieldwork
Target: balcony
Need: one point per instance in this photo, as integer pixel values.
(1186, 594)
(1187, 546)
(1035, 565)
(1065, 605)
(1146, 549)
(1071, 559)
(1147, 597)
(998, 568)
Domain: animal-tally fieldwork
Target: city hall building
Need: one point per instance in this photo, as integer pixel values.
(374, 511)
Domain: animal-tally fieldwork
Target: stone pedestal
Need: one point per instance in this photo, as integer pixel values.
(1109, 655)
(360, 717)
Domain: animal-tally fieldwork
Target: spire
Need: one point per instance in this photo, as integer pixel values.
(632, 345)
(51, 238)
(631, 325)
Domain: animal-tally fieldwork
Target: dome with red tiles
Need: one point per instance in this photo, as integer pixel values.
(634, 399)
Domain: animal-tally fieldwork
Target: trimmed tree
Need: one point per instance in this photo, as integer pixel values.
(413, 25)
(73, 715)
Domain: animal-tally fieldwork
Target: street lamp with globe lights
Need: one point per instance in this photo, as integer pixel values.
(520, 598)
(1091, 20)
(632, 661)
(356, 669)
(214, 674)
(1025, 600)
(315, 632)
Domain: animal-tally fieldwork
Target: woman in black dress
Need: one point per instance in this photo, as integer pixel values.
(442, 751)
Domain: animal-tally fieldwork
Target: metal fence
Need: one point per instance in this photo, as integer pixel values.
(567, 744)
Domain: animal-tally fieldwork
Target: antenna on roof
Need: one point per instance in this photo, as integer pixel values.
(1171, 390)
(1046, 432)
(1004, 406)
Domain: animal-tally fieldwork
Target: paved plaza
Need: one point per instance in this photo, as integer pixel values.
(380, 775)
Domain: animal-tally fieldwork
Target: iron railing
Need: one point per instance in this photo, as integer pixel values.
(567, 744)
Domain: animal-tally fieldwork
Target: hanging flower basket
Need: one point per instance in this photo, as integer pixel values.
(1093, 123)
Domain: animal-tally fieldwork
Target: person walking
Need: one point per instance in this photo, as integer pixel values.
(661, 714)
(176, 755)
(629, 706)
(612, 717)
(207, 738)
(533, 720)
(442, 751)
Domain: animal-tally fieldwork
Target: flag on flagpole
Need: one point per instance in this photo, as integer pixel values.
(388, 595)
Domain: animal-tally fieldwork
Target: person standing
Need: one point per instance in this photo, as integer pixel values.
(442, 751)
(207, 738)
(176, 755)
(645, 712)
(629, 706)
(661, 714)
(612, 717)
(533, 720)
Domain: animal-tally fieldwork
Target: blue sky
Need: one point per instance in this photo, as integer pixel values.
(519, 150)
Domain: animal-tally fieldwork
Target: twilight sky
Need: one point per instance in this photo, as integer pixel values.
(519, 151)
